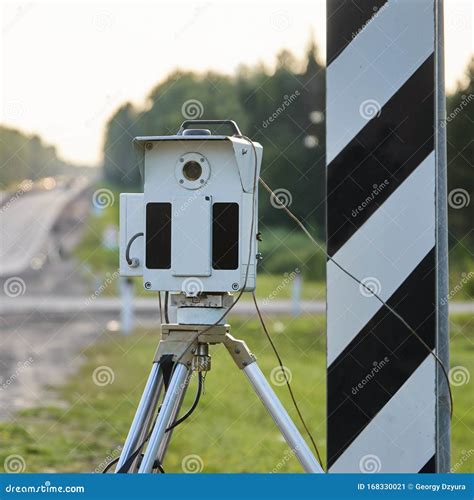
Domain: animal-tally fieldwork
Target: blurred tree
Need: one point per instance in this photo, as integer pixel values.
(460, 130)
(120, 163)
(27, 157)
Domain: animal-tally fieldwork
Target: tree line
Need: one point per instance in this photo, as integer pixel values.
(284, 110)
(24, 156)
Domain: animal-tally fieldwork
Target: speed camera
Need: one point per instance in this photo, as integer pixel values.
(194, 227)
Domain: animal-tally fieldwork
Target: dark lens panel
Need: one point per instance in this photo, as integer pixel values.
(158, 235)
(225, 236)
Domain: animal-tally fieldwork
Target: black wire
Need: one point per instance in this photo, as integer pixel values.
(389, 308)
(161, 307)
(167, 318)
(134, 455)
(193, 406)
(129, 244)
(290, 390)
(110, 465)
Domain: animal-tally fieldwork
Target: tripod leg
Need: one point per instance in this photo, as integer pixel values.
(174, 414)
(282, 419)
(145, 408)
(173, 394)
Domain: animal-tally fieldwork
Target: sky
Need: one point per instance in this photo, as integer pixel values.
(66, 66)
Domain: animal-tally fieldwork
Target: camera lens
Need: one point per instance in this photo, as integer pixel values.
(192, 170)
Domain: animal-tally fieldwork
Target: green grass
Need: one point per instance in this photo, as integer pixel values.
(230, 430)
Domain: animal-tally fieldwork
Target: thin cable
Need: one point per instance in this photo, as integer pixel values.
(167, 318)
(129, 244)
(290, 390)
(193, 406)
(161, 307)
(134, 455)
(389, 308)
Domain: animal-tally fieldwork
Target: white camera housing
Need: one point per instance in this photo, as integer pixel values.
(200, 195)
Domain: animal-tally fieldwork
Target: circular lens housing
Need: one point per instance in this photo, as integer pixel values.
(192, 170)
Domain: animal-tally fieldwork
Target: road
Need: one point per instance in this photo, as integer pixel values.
(26, 223)
(57, 306)
(39, 349)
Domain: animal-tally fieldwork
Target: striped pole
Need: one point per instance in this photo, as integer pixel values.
(387, 407)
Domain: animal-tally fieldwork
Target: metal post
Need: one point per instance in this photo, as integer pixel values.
(282, 419)
(153, 386)
(172, 394)
(443, 447)
(126, 310)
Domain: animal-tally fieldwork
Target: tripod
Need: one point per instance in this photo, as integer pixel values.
(184, 348)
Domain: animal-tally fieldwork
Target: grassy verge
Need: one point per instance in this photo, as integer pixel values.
(230, 431)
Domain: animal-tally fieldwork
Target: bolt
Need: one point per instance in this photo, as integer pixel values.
(202, 181)
(149, 146)
(235, 286)
(181, 181)
(244, 363)
(202, 160)
(237, 351)
(147, 285)
(181, 160)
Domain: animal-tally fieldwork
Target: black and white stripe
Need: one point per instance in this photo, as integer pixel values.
(381, 225)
